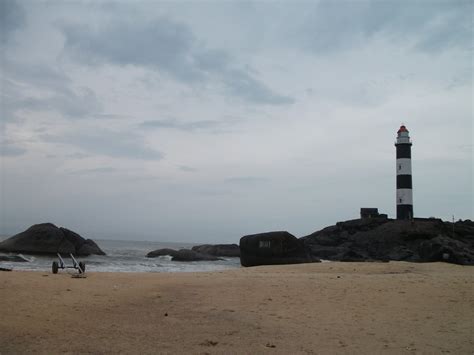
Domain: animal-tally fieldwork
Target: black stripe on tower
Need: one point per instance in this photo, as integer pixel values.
(403, 150)
(404, 182)
(404, 211)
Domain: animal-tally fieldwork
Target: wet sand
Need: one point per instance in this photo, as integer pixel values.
(326, 308)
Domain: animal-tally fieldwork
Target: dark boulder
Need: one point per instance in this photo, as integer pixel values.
(272, 248)
(190, 255)
(89, 247)
(228, 250)
(351, 255)
(162, 252)
(446, 249)
(46, 238)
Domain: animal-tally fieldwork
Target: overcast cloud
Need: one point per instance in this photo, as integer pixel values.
(205, 121)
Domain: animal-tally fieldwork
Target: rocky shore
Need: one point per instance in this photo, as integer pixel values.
(382, 239)
(366, 239)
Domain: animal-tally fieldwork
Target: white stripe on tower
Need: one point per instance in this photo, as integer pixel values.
(403, 166)
(404, 180)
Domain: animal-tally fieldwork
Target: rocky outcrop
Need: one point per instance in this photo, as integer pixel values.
(381, 239)
(190, 255)
(182, 255)
(272, 248)
(46, 238)
(227, 250)
(161, 252)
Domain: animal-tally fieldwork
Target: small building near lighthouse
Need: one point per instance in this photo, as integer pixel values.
(367, 213)
(404, 193)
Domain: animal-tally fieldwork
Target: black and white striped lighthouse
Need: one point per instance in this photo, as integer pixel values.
(404, 181)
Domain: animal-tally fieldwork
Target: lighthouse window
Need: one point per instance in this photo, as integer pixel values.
(400, 200)
(399, 166)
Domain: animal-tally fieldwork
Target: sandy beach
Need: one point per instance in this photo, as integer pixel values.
(372, 308)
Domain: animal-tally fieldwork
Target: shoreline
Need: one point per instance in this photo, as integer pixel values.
(392, 308)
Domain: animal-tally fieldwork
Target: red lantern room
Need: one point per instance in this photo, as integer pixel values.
(402, 129)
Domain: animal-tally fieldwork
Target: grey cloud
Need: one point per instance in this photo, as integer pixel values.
(227, 124)
(56, 88)
(113, 144)
(432, 25)
(162, 44)
(212, 60)
(75, 104)
(35, 74)
(11, 149)
(453, 30)
(77, 155)
(240, 83)
(99, 170)
(170, 48)
(466, 148)
(183, 126)
(71, 104)
(12, 17)
(187, 169)
(246, 180)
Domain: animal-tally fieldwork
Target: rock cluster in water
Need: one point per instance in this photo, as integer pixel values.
(46, 238)
(182, 255)
(226, 250)
(205, 252)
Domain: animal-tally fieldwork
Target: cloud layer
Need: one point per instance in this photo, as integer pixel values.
(169, 48)
(203, 122)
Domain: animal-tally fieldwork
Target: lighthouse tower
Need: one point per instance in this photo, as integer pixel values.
(404, 182)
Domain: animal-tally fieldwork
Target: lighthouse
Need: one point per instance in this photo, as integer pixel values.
(404, 181)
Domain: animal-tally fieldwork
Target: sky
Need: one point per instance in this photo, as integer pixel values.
(203, 121)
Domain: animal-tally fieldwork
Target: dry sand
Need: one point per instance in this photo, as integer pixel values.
(359, 308)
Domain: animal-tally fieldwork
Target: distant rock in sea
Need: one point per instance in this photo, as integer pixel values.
(226, 250)
(162, 252)
(383, 239)
(46, 238)
(182, 255)
(273, 248)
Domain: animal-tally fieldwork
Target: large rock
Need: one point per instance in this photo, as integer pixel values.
(272, 248)
(46, 238)
(442, 248)
(381, 239)
(228, 250)
(191, 255)
(161, 252)
(182, 255)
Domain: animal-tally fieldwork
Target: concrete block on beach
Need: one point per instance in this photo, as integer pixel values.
(272, 248)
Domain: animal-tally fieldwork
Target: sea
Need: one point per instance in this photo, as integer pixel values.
(125, 256)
